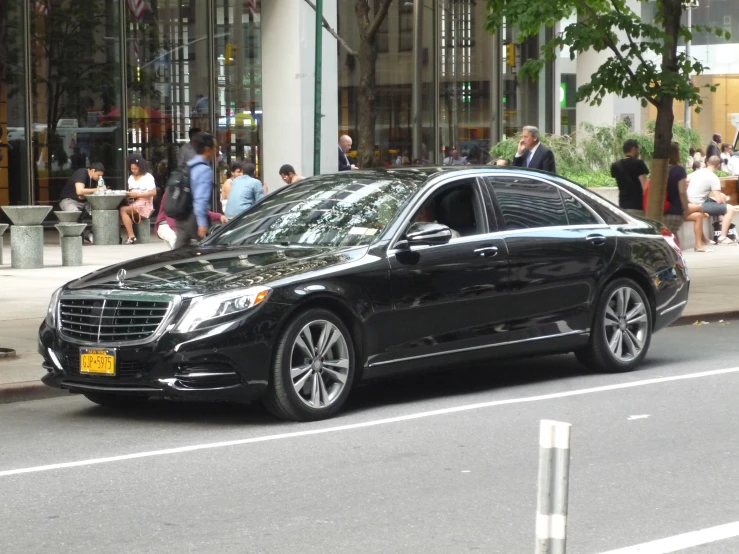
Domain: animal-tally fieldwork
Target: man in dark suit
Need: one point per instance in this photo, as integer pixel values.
(533, 154)
(345, 145)
(713, 149)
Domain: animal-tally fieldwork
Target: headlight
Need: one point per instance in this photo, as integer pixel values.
(53, 308)
(209, 311)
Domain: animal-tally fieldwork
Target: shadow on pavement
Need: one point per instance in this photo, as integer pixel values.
(409, 388)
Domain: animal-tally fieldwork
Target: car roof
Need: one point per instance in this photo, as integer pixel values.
(429, 172)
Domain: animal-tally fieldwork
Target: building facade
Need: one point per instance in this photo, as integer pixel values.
(98, 80)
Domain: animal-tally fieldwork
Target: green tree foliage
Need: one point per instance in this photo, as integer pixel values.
(644, 62)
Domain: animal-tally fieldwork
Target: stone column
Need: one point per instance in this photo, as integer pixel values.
(27, 235)
(3, 228)
(288, 94)
(71, 242)
(106, 223)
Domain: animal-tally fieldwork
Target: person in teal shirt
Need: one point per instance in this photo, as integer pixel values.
(245, 192)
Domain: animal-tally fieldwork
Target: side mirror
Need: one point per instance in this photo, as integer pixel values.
(423, 233)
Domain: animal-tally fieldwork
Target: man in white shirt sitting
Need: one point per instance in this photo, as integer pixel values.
(704, 189)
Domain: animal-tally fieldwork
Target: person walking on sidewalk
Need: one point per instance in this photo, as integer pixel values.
(631, 177)
(166, 227)
(195, 226)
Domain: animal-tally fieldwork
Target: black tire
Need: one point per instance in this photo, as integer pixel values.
(282, 398)
(598, 355)
(115, 400)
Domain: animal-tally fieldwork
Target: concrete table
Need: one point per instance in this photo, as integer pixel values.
(3, 228)
(106, 225)
(71, 241)
(27, 235)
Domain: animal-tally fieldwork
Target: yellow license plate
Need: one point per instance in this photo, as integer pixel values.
(99, 362)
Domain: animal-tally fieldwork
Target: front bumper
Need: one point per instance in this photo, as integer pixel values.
(229, 364)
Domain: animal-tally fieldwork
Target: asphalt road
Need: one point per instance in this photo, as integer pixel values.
(459, 476)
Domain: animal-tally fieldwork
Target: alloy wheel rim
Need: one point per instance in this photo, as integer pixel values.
(625, 324)
(319, 364)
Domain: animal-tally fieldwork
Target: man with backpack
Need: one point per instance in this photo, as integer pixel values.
(188, 194)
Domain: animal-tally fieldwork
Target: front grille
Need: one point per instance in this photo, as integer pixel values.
(105, 320)
(124, 368)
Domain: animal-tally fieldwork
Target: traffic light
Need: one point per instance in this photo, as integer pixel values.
(228, 56)
(510, 54)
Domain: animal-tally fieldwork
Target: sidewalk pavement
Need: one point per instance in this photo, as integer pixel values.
(24, 298)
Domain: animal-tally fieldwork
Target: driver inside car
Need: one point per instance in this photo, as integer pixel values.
(427, 214)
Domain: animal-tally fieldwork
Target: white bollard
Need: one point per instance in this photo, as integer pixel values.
(554, 476)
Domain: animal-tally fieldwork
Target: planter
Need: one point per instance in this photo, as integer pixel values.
(609, 193)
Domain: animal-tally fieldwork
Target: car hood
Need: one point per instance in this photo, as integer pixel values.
(199, 270)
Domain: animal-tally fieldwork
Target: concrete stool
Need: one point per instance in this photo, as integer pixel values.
(68, 217)
(27, 235)
(3, 228)
(106, 225)
(142, 230)
(71, 241)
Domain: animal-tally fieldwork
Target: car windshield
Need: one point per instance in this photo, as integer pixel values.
(344, 209)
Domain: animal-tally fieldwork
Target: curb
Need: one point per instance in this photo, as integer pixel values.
(710, 318)
(27, 390)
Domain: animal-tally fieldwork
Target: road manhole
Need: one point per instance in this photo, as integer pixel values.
(7, 353)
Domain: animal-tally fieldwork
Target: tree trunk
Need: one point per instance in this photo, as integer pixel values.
(367, 117)
(662, 141)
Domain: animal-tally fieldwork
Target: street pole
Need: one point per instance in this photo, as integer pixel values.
(417, 77)
(687, 55)
(319, 76)
(437, 158)
(554, 475)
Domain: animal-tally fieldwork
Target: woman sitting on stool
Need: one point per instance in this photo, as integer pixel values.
(141, 192)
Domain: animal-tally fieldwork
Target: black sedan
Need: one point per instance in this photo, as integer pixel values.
(358, 275)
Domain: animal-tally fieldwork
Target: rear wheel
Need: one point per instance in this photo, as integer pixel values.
(622, 329)
(313, 369)
(116, 400)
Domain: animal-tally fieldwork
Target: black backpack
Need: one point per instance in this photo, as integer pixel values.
(179, 195)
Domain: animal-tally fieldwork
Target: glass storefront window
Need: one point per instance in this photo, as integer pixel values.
(76, 76)
(168, 80)
(394, 91)
(239, 71)
(13, 185)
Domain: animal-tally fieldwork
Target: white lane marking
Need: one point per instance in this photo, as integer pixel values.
(632, 418)
(365, 424)
(681, 542)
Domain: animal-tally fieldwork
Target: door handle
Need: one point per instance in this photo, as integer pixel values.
(487, 251)
(597, 240)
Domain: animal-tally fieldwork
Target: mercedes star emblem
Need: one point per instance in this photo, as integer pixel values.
(121, 276)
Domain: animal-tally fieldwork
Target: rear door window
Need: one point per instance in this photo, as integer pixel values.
(528, 204)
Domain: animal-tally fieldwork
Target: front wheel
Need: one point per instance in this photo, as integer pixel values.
(622, 329)
(313, 369)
